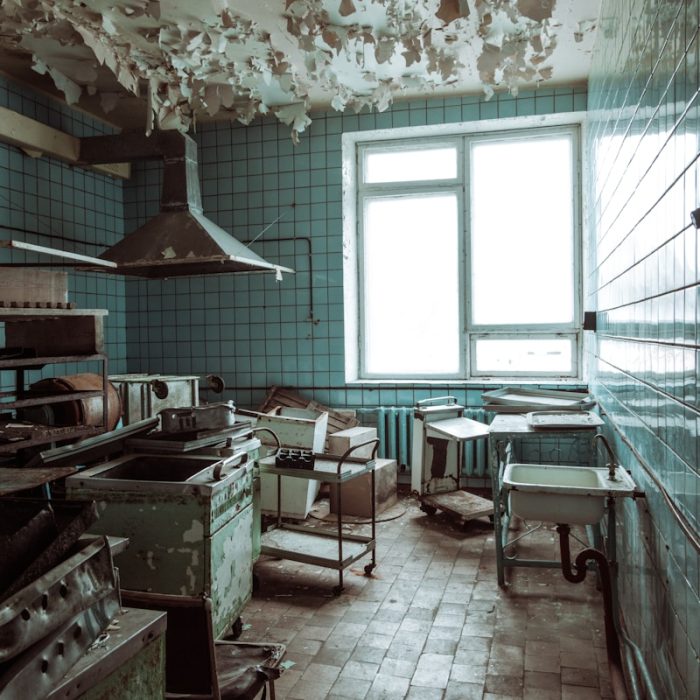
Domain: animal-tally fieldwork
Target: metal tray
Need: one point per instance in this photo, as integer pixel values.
(214, 416)
(516, 396)
(543, 420)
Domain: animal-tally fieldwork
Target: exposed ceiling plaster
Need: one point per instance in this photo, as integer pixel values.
(243, 58)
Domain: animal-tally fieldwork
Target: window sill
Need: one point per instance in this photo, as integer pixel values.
(484, 383)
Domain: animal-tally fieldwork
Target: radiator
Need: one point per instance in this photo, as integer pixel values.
(395, 433)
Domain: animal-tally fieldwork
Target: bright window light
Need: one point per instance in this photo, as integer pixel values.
(406, 166)
(522, 236)
(462, 253)
(524, 355)
(411, 285)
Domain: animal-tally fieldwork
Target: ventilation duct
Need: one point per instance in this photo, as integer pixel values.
(180, 240)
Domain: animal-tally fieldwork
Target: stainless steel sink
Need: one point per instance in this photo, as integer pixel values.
(155, 468)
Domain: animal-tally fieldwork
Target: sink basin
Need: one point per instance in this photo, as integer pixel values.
(559, 494)
(151, 473)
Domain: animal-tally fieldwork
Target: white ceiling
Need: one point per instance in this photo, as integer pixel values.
(184, 59)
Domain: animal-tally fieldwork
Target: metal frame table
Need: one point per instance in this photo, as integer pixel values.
(311, 545)
(504, 429)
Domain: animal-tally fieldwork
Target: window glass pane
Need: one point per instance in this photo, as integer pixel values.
(411, 285)
(522, 231)
(517, 355)
(405, 166)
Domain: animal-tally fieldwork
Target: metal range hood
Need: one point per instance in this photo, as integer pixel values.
(180, 240)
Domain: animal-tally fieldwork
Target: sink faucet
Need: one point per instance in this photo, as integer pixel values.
(612, 464)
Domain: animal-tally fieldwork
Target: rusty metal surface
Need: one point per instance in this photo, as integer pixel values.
(180, 240)
(186, 538)
(18, 547)
(128, 664)
(87, 411)
(145, 395)
(35, 672)
(160, 442)
(41, 435)
(70, 520)
(93, 448)
(15, 480)
(213, 416)
(48, 602)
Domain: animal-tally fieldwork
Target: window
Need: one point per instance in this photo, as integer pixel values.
(463, 255)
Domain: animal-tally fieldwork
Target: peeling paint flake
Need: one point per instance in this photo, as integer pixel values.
(195, 533)
(237, 58)
(451, 10)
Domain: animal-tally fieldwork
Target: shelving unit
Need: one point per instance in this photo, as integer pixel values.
(52, 336)
(311, 545)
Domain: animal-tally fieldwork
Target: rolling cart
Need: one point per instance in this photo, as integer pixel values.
(312, 545)
(440, 432)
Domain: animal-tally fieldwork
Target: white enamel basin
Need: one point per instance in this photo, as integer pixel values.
(559, 494)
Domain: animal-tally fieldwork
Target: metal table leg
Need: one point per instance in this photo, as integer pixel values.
(494, 467)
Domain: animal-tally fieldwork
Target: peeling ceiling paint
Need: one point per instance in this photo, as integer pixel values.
(243, 58)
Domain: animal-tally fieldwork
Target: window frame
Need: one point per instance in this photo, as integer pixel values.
(357, 145)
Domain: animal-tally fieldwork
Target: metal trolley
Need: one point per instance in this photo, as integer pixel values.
(312, 545)
(440, 431)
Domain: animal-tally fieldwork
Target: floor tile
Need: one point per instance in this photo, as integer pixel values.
(436, 627)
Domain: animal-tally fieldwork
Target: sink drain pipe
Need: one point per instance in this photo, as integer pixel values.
(576, 574)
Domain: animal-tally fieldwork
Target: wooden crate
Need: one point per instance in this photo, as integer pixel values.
(285, 397)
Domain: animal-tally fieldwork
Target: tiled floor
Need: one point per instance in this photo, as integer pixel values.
(432, 623)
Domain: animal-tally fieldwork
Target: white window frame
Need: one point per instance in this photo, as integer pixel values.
(355, 145)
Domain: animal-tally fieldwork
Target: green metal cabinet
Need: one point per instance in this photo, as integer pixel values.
(189, 531)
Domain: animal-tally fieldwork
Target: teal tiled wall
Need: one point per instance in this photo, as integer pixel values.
(48, 203)
(644, 142)
(250, 329)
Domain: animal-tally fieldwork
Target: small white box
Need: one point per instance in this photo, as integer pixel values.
(298, 495)
(339, 443)
(294, 427)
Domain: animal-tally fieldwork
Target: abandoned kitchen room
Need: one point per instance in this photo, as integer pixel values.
(349, 349)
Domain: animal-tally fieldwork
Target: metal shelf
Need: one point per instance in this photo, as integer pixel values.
(75, 432)
(28, 362)
(333, 550)
(68, 332)
(296, 543)
(41, 400)
(325, 469)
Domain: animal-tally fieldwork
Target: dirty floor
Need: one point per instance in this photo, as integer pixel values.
(431, 622)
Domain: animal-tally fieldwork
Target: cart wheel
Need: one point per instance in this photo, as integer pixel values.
(337, 590)
(369, 568)
(430, 510)
(236, 628)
